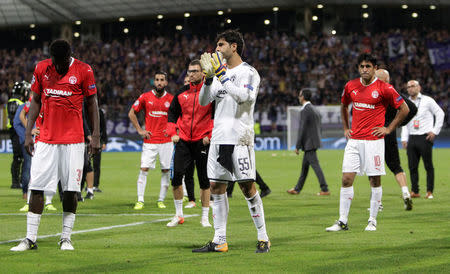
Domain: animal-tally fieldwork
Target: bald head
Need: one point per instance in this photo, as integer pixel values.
(383, 75)
(413, 88)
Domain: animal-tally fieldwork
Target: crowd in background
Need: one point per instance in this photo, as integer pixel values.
(286, 63)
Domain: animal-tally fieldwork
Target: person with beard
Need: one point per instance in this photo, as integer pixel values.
(155, 104)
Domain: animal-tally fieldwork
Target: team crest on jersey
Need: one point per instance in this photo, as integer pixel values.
(167, 104)
(73, 80)
(232, 78)
(136, 103)
(375, 94)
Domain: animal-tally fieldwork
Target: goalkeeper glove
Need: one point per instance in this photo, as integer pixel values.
(205, 62)
(219, 66)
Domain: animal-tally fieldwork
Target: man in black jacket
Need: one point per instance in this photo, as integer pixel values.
(309, 141)
(391, 156)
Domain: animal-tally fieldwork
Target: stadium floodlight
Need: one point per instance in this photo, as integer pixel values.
(432, 7)
(179, 27)
(187, 14)
(319, 6)
(275, 8)
(220, 12)
(267, 22)
(78, 22)
(228, 21)
(404, 7)
(414, 15)
(32, 26)
(160, 16)
(121, 19)
(333, 32)
(364, 6)
(76, 34)
(126, 30)
(315, 18)
(33, 37)
(365, 15)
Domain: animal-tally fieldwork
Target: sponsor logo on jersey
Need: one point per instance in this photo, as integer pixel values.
(167, 104)
(91, 86)
(355, 91)
(56, 92)
(157, 114)
(375, 94)
(150, 102)
(358, 105)
(221, 93)
(73, 80)
(186, 96)
(46, 77)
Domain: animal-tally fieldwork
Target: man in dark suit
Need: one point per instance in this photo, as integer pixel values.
(309, 141)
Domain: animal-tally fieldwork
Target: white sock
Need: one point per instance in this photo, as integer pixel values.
(141, 183)
(405, 192)
(48, 197)
(68, 221)
(90, 190)
(33, 221)
(220, 216)
(178, 207)
(256, 208)
(205, 212)
(184, 188)
(375, 201)
(165, 176)
(345, 203)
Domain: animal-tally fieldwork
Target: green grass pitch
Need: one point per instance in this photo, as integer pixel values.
(416, 241)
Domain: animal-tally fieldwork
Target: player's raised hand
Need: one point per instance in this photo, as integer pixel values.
(205, 62)
(380, 131)
(218, 64)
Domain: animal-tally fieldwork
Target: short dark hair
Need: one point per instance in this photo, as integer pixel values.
(368, 58)
(233, 36)
(60, 49)
(195, 62)
(160, 72)
(306, 93)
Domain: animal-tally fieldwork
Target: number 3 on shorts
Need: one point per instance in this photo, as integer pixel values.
(243, 164)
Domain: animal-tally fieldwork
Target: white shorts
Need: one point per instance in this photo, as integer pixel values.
(364, 157)
(243, 159)
(150, 152)
(57, 162)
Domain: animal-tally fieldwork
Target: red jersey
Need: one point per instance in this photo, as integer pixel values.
(62, 100)
(156, 109)
(369, 105)
(193, 120)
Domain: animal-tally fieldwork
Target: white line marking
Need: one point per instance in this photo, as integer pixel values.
(91, 214)
(101, 228)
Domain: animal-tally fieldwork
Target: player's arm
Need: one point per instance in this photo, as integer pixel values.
(33, 113)
(439, 120)
(92, 109)
(404, 136)
(134, 120)
(23, 117)
(345, 121)
(172, 118)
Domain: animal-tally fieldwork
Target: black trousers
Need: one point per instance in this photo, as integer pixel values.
(419, 146)
(391, 156)
(96, 164)
(189, 182)
(17, 158)
(310, 159)
(186, 153)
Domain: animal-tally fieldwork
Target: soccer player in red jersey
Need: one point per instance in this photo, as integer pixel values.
(364, 152)
(155, 104)
(59, 85)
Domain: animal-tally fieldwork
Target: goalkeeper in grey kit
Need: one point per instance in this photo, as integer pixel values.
(231, 157)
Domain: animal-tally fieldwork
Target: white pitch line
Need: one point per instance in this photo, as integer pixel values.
(101, 228)
(92, 214)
